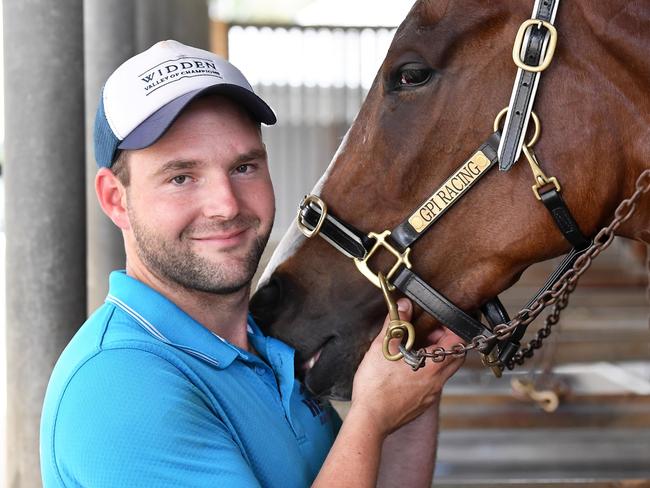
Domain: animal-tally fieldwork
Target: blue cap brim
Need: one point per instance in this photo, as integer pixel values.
(157, 123)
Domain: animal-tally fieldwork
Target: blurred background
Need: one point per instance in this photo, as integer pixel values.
(313, 61)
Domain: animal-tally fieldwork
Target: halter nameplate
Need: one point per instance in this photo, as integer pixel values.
(450, 191)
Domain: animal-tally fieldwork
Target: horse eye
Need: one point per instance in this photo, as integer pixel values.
(413, 74)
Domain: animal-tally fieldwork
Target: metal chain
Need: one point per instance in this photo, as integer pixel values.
(558, 295)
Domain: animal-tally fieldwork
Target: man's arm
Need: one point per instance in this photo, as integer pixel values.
(387, 396)
(408, 456)
(417, 440)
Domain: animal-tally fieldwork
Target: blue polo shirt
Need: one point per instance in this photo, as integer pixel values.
(144, 396)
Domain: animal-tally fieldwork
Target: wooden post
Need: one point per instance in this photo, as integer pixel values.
(219, 38)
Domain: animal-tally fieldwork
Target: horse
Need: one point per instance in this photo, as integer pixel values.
(447, 74)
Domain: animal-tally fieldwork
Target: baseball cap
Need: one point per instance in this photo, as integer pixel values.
(144, 96)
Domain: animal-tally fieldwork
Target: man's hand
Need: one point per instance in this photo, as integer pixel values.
(387, 395)
(390, 392)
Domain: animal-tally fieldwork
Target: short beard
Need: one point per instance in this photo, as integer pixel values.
(181, 266)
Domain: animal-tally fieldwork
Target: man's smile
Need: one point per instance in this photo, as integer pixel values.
(223, 239)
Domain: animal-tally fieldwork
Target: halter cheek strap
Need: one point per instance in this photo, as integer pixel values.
(532, 53)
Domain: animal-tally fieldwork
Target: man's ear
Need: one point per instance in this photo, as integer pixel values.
(111, 194)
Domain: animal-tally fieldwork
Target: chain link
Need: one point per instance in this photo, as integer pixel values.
(558, 295)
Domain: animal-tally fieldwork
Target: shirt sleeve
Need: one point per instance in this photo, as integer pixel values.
(131, 418)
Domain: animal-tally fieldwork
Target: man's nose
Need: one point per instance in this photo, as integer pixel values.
(220, 199)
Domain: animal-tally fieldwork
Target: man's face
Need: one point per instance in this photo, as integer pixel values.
(200, 200)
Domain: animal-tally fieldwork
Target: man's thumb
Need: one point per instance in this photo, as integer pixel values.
(404, 308)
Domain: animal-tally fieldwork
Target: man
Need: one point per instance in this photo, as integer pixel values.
(170, 382)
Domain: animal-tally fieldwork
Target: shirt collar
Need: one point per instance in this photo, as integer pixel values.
(166, 322)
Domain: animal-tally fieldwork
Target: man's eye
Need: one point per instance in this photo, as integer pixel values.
(180, 179)
(243, 168)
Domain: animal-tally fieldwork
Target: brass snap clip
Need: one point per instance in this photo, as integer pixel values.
(547, 400)
(397, 328)
(541, 180)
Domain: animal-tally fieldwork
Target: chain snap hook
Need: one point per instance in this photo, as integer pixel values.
(397, 328)
(547, 400)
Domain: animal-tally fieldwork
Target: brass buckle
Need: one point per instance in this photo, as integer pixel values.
(380, 241)
(550, 50)
(541, 180)
(538, 126)
(321, 220)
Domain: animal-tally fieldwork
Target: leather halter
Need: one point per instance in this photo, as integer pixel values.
(315, 219)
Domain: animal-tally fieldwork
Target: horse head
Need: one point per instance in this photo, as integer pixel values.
(448, 72)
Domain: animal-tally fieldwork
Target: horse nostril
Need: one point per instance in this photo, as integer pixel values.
(266, 302)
